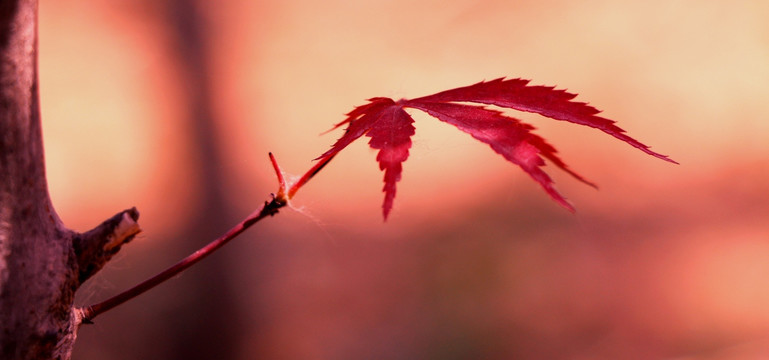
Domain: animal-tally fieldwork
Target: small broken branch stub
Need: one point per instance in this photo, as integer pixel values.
(96, 247)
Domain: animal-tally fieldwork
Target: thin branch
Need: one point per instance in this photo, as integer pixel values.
(269, 208)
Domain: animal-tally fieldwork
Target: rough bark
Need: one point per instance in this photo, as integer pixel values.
(42, 263)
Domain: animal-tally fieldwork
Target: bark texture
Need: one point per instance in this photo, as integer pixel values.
(42, 263)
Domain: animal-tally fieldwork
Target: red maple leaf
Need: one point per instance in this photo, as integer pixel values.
(390, 127)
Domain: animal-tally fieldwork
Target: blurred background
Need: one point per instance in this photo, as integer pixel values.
(171, 106)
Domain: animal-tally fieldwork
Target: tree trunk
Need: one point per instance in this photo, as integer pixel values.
(42, 263)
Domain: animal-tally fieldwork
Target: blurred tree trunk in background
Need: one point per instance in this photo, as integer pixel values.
(212, 333)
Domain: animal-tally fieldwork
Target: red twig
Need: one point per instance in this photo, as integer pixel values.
(269, 208)
(281, 179)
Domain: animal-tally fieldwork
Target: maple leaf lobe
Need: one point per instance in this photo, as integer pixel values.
(391, 134)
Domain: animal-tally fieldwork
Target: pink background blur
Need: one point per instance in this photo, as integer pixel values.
(171, 106)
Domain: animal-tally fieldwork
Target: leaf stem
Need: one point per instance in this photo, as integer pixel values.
(322, 162)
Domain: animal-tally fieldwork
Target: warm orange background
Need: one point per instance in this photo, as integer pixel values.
(476, 262)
